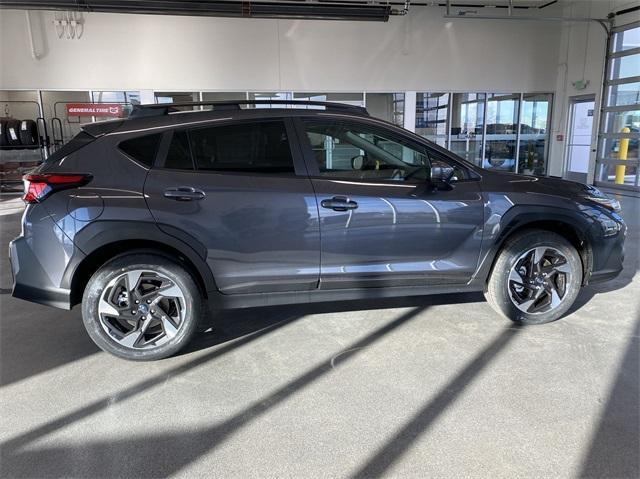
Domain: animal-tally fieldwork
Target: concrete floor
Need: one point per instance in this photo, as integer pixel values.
(422, 387)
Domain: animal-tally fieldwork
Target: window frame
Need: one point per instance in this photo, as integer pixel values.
(389, 131)
(299, 168)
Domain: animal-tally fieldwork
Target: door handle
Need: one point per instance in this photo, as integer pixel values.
(339, 203)
(183, 193)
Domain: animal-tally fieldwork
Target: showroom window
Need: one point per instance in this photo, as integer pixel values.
(249, 147)
(618, 162)
(502, 131)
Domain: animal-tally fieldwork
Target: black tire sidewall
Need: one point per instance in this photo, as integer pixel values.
(175, 272)
(497, 286)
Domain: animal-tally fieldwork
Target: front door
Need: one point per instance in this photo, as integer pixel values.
(384, 220)
(242, 192)
(581, 111)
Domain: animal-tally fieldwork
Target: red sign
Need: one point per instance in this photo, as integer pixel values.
(94, 109)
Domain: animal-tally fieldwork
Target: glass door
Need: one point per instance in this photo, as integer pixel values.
(467, 125)
(501, 138)
(581, 111)
(618, 160)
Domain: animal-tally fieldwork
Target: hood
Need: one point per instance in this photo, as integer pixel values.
(543, 185)
(549, 186)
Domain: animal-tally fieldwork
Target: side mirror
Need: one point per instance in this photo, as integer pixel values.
(440, 174)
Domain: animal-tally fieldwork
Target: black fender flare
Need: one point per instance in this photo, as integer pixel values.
(519, 216)
(100, 234)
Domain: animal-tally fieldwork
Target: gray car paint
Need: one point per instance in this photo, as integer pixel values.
(263, 235)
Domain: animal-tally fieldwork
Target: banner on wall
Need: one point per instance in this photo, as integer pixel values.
(95, 109)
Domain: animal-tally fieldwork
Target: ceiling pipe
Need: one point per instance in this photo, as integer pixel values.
(34, 52)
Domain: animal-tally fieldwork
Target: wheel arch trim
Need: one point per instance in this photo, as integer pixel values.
(522, 217)
(101, 241)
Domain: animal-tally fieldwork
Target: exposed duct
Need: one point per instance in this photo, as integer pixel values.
(225, 8)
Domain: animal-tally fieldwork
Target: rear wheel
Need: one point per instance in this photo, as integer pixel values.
(141, 307)
(536, 278)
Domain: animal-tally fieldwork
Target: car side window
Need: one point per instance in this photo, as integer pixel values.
(355, 151)
(178, 155)
(142, 148)
(260, 147)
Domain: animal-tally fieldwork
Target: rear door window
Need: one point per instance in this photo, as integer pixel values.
(260, 147)
(178, 155)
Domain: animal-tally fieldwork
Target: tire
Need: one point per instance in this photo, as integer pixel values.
(29, 134)
(529, 291)
(12, 133)
(3, 132)
(169, 310)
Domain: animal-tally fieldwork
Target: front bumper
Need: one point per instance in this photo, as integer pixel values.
(608, 257)
(30, 281)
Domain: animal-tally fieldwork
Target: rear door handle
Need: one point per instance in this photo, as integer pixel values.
(183, 193)
(339, 203)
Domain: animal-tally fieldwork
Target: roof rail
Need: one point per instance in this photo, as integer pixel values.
(160, 109)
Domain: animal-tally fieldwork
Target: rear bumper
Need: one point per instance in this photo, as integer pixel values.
(30, 281)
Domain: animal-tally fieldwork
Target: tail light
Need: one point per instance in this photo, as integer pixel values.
(37, 187)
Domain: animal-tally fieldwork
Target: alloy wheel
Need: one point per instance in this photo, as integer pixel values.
(539, 280)
(142, 309)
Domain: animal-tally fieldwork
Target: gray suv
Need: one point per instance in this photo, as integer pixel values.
(155, 222)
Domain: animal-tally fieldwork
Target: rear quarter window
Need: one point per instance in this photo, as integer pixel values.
(142, 148)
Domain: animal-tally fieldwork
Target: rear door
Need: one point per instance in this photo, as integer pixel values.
(241, 190)
(387, 218)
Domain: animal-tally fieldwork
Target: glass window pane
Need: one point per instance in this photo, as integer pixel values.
(624, 67)
(256, 147)
(502, 124)
(178, 97)
(266, 96)
(356, 99)
(466, 125)
(142, 148)
(624, 94)
(620, 149)
(616, 121)
(432, 110)
(624, 174)
(387, 106)
(179, 156)
(356, 152)
(626, 40)
(223, 96)
(534, 134)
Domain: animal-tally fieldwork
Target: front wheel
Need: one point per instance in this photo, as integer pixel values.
(141, 307)
(536, 278)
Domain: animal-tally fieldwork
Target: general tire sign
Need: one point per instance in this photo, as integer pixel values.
(95, 109)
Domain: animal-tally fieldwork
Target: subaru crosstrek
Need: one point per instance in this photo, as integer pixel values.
(155, 222)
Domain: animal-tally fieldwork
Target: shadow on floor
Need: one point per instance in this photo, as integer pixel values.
(159, 455)
(615, 447)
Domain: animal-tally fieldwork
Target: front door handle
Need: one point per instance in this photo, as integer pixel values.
(183, 193)
(339, 203)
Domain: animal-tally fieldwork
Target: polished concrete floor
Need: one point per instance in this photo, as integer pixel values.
(420, 387)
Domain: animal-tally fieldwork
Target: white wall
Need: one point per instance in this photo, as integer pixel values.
(421, 51)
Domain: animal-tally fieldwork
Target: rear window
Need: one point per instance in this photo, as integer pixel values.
(77, 142)
(261, 147)
(142, 148)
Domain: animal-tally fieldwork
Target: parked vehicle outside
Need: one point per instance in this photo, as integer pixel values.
(154, 223)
